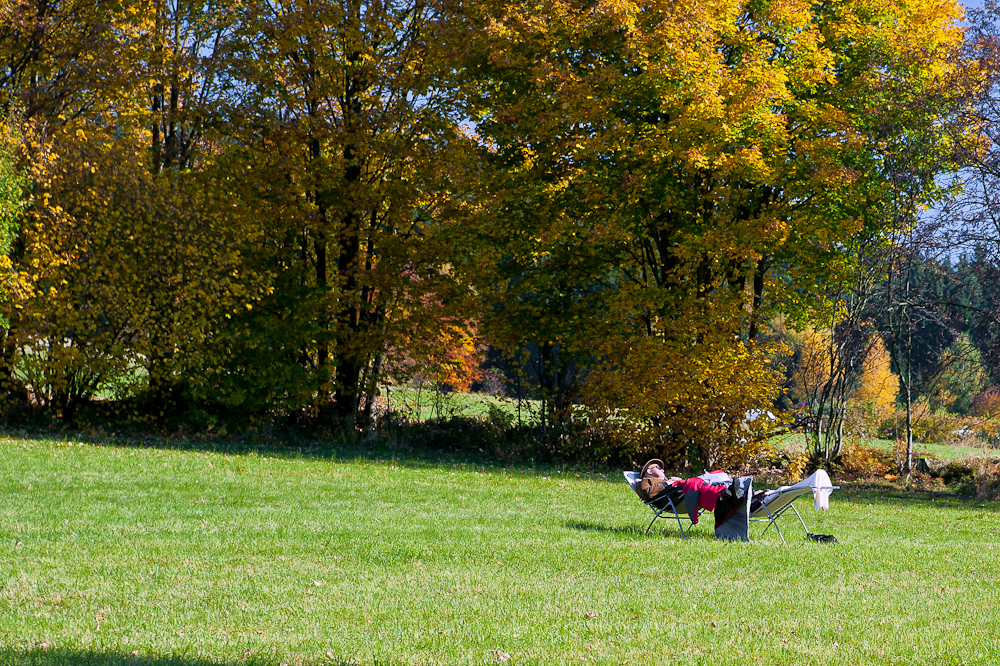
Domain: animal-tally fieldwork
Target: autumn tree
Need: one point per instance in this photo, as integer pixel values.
(187, 60)
(57, 61)
(13, 186)
(878, 386)
(121, 231)
(13, 199)
(124, 263)
(837, 360)
(66, 58)
(812, 367)
(677, 171)
(348, 113)
(272, 204)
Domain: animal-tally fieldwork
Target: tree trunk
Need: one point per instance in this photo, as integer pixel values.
(349, 248)
(908, 464)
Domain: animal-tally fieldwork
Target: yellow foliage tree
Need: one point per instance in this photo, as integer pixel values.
(351, 115)
(814, 366)
(668, 174)
(134, 273)
(710, 408)
(878, 386)
(246, 249)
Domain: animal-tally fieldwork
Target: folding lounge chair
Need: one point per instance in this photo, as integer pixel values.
(772, 504)
(666, 503)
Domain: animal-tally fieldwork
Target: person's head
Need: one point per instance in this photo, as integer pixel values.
(653, 469)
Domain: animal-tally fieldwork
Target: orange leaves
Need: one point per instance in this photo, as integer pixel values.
(454, 358)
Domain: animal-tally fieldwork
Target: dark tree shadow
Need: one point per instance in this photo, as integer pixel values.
(899, 497)
(69, 657)
(639, 531)
(334, 449)
(344, 449)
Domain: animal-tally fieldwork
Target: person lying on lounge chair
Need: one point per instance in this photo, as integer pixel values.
(701, 492)
(652, 480)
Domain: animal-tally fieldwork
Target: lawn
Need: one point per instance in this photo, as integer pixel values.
(421, 404)
(158, 556)
(920, 449)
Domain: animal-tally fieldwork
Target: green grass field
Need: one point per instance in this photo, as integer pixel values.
(118, 554)
(423, 404)
(426, 404)
(920, 449)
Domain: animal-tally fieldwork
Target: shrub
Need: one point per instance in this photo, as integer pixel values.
(928, 428)
(987, 482)
(499, 418)
(973, 475)
(959, 472)
(986, 404)
(797, 464)
(888, 427)
(937, 428)
(989, 433)
(924, 481)
(867, 462)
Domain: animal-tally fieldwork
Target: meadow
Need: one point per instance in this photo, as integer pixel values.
(423, 404)
(952, 451)
(188, 554)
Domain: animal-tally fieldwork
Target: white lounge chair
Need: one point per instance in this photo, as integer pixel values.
(666, 503)
(775, 503)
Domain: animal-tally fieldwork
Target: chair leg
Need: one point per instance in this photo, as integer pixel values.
(800, 518)
(775, 523)
(770, 522)
(660, 512)
(678, 517)
(650, 526)
(683, 536)
(780, 534)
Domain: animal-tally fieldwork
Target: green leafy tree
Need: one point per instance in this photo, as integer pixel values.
(961, 377)
(13, 183)
(348, 107)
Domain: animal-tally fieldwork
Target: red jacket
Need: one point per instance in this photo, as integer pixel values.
(708, 494)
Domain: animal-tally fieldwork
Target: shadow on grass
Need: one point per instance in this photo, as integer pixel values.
(334, 449)
(639, 531)
(694, 534)
(900, 497)
(344, 449)
(64, 657)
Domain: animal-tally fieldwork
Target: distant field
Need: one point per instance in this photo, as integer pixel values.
(423, 404)
(940, 451)
(142, 556)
